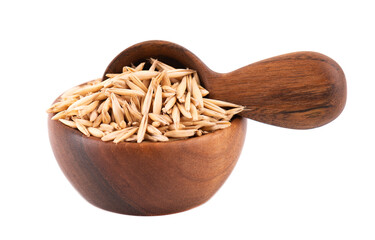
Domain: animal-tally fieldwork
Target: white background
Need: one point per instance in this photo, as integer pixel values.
(288, 184)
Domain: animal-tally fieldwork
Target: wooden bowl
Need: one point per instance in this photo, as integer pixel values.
(148, 178)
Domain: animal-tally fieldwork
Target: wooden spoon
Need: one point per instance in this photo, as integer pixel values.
(298, 90)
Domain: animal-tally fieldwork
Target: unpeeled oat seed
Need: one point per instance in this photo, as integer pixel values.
(157, 105)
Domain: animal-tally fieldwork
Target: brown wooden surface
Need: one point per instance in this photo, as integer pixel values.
(147, 178)
(299, 90)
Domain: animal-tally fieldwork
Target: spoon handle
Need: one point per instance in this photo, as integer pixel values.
(298, 90)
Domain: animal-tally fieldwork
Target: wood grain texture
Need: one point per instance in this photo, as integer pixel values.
(299, 90)
(147, 178)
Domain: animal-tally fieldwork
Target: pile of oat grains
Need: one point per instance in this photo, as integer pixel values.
(158, 104)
